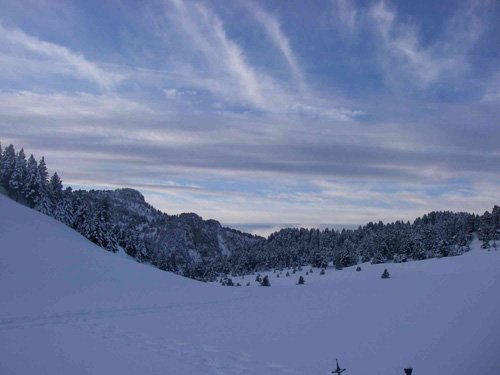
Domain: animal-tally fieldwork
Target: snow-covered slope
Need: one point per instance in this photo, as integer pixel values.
(68, 307)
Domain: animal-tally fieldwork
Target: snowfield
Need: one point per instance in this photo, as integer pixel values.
(69, 307)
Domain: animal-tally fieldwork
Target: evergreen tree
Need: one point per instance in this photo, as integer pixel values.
(97, 228)
(7, 165)
(265, 281)
(32, 186)
(385, 274)
(44, 204)
(18, 176)
(133, 244)
(63, 208)
(44, 175)
(55, 189)
(301, 281)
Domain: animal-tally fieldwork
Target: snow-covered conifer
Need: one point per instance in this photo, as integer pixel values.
(7, 165)
(265, 281)
(33, 184)
(18, 176)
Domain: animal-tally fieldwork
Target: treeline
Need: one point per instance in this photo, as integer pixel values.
(27, 181)
(203, 249)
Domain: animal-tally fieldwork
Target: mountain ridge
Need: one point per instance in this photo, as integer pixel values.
(205, 250)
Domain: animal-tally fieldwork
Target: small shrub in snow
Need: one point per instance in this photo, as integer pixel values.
(301, 281)
(378, 258)
(385, 274)
(322, 272)
(358, 268)
(400, 258)
(265, 281)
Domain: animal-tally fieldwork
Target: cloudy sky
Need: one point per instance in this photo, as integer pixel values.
(261, 112)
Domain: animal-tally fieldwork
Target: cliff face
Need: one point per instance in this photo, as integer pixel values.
(172, 242)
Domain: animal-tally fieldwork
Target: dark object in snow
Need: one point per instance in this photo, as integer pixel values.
(301, 281)
(338, 370)
(408, 370)
(358, 268)
(322, 272)
(265, 281)
(385, 274)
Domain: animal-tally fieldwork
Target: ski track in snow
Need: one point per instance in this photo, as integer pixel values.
(70, 316)
(210, 360)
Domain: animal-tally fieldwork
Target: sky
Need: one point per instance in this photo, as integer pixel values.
(261, 113)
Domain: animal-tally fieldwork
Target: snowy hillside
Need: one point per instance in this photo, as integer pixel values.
(70, 308)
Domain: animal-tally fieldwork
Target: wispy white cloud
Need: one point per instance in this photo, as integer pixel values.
(346, 16)
(208, 60)
(404, 54)
(77, 107)
(224, 58)
(273, 29)
(63, 59)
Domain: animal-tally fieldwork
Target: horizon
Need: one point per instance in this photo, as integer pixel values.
(259, 113)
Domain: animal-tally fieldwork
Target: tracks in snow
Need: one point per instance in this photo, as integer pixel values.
(208, 359)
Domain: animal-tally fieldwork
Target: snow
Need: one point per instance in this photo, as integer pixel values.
(69, 307)
(222, 245)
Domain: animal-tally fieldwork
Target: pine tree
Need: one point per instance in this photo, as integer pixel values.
(265, 281)
(44, 175)
(81, 212)
(7, 165)
(63, 208)
(97, 228)
(18, 176)
(32, 186)
(385, 274)
(44, 205)
(133, 244)
(55, 188)
(301, 281)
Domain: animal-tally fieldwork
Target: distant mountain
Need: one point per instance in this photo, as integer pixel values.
(176, 243)
(204, 249)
